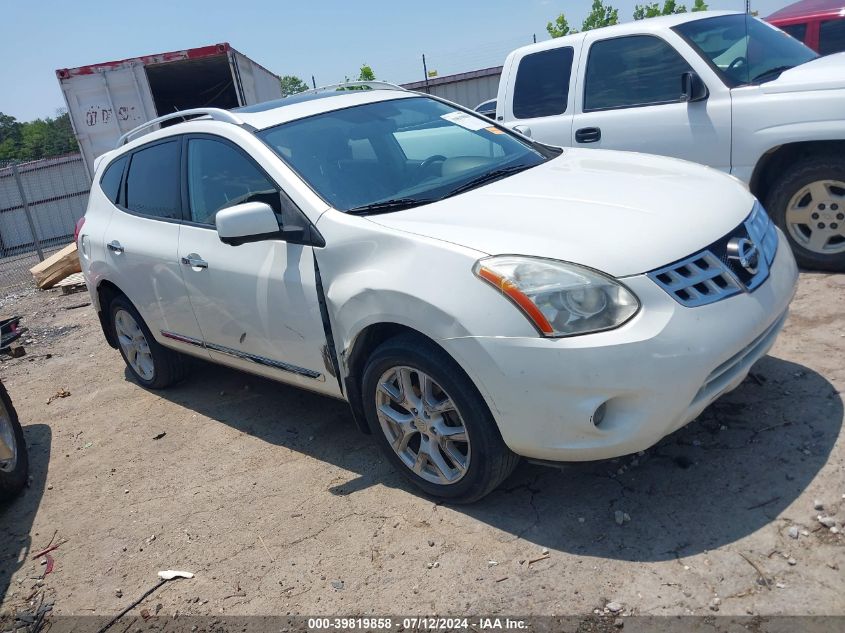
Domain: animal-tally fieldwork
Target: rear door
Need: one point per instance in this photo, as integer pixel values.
(257, 303)
(541, 94)
(629, 99)
(142, 240)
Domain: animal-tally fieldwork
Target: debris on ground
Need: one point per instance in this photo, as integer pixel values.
(160, 435)
(61, 393)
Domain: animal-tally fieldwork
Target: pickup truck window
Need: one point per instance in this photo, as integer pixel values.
(542, 83)
(742, 49)
(632, 71)
(832, 36)
(798, 31)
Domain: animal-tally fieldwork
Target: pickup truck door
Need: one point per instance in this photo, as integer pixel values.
(628, 98)
(256, 304)
(540, 91)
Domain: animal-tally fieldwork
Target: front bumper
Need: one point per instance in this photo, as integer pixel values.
(654, 374)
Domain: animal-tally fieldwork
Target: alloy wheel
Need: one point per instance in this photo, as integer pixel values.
(7, 438)
(815, 217)
(423, 425)
(134, 344)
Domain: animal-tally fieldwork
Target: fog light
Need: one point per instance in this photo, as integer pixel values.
(598, 414)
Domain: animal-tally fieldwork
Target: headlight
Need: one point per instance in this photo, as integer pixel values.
(560, 299)
(762, 231)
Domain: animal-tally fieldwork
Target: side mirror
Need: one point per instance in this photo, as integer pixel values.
(693, 88)
(247, 222)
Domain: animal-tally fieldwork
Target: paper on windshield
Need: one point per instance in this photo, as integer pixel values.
(465, 120)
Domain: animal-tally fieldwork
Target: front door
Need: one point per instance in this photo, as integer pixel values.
(256, 304)
(629, 99)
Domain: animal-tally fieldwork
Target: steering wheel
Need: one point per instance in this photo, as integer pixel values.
(739, 61)
(428, 162)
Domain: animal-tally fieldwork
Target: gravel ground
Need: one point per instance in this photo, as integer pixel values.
(278, 505)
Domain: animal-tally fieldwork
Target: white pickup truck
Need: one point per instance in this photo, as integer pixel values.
(719, 88)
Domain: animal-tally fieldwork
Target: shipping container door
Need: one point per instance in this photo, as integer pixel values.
(104, 105)
(257, 83)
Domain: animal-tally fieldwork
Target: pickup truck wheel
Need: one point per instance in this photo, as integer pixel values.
(151, 364)
(14, 461)
(808, 204)
(432, 423)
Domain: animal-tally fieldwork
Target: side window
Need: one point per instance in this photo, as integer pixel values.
(798, 31)
(542, 83)
(832, 36)
(153, 181)
(632, 71)
(110, 182)
(220, 176)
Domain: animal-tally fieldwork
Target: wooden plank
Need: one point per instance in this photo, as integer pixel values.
(56, 267)
(72, 283)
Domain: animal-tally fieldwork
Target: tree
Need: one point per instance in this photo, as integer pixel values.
(41, 138)
(366, 73)
(291, 84)
(642, 11)
(600, 15)
(559, 27)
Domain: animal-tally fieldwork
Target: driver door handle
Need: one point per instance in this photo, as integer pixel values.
(194, 261)
(588, 135)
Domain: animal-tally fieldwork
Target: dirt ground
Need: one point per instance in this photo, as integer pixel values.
(279, 506)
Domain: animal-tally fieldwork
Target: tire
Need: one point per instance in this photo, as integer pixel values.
(150, 363)
(808, 204)
(486, 461)
(13, 473)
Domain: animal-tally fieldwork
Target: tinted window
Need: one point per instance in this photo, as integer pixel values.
(832, 37)
(632, 71)
(110, 182)
(220, 176)
(798, 31)
(542, 83)
(152, 185)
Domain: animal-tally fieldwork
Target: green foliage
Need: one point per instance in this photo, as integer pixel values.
(600, 15)
(41, 138)
(559, 27)
(670, 7)
(292, 85)
(366, 73)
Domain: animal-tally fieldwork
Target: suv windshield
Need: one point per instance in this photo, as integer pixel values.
(743, 49)
(395, 154)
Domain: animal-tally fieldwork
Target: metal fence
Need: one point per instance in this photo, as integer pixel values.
(40, 202)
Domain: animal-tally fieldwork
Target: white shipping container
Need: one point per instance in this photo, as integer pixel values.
(106, 100)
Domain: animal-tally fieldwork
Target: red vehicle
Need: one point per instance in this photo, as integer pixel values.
(820, 24)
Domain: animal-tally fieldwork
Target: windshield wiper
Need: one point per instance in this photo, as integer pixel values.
(386, 206)
(775, 72)
(490, 176)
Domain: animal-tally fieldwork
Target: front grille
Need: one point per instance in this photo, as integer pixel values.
(718, 272)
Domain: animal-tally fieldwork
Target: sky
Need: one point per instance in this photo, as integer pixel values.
(328, 39)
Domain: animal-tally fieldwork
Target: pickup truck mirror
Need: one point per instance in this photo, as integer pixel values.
(247, 222)
(693, 88)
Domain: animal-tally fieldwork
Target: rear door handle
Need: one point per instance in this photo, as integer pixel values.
(194, 261)
(115, 247)
(588, 135)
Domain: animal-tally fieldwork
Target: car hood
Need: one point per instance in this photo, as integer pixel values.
(823, 73)
(618, 212)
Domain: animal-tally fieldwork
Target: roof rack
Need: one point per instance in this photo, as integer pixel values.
(355, 85)
(216, 114)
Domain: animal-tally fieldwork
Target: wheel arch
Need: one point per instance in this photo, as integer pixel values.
(106, 291)
(773, 162)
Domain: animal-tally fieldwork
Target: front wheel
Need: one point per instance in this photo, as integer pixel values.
(432, 423)
(14, 461)
(808, 204)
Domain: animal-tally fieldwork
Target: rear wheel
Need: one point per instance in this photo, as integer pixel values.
(432, 423)
(14, 461)
(151, 364)
(808, 204)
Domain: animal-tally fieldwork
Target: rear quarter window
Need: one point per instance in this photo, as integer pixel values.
(542, 83)
(153, 183)
(110, 181)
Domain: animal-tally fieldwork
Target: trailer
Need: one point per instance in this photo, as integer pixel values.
(108, 99)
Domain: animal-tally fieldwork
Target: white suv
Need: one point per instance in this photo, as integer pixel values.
(475, 296)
